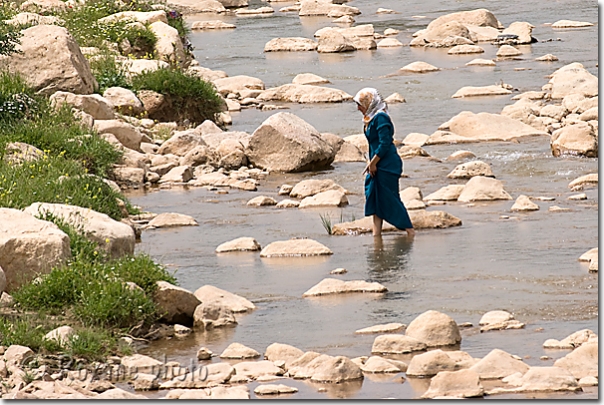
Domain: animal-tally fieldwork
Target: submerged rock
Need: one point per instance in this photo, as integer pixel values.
(335, 286)
(295, 247)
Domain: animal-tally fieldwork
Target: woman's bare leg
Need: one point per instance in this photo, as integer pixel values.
(377, 226)
(410, 232)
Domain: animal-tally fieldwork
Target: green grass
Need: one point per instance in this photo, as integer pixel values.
(96, 293)
(326, 222)
(72, 154)
(87, 343)
(9, 36)
(56, 180)
(190, 98)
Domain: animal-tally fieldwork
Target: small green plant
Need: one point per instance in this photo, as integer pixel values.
(189, 97)
(142, 40)
(28, 377)
(326, 221)
(108, 73)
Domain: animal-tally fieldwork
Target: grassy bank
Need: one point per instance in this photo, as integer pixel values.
(92, 293)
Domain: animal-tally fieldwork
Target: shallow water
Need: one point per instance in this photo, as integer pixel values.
(526, 264)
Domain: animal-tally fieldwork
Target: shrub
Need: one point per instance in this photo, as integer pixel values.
(108, 73)
(187, 97)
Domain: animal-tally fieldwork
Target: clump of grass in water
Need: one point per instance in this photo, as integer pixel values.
(326, 221)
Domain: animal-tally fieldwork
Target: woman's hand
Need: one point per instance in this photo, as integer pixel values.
(371, 168)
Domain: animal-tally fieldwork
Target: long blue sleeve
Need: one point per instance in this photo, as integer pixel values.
(385, 131)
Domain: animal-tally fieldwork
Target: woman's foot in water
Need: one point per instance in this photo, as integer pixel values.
(410, 232)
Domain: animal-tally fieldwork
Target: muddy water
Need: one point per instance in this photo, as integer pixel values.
(525, 264)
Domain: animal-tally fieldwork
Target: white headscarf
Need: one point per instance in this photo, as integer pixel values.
(372, 101)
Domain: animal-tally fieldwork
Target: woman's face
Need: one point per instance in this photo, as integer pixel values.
(361, 109)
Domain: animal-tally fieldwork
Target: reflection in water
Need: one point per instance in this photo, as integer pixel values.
(419, 385)
(346, 389)
(386, 259)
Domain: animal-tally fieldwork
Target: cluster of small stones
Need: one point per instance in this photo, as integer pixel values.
(431, 342)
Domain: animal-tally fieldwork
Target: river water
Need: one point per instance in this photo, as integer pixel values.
(526, 264)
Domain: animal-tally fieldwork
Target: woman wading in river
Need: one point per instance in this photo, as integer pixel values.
(384, 169)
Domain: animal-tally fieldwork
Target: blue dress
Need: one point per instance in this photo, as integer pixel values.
(381, 191)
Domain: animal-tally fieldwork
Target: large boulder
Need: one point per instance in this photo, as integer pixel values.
(573, 79)
(336, 370)
(127, 134)
(480, 17)
(424, 219)
(581, 362)
(296, 248)
(282, 352)
(181, 143)
(169, 46)
(213, 315)
(210, 294)
(333, 42)
(124, 101)
(94, 104)
(310, 187)
(304, 93)
(458, 384)
(438, 35)
(335, 286)
(176, 304)
(113, 236)
(434, 329)
(237, 84)
(480, 188)
(471, 169)
(523, 30)
(286, 143)
(490, 127)
(29, 246)
(396, 344)
(330, 198)
(498, 364)
(291, 44)
(573, 340)
(577, 139)
(325, 8)
(430, 363)
(50, 60)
